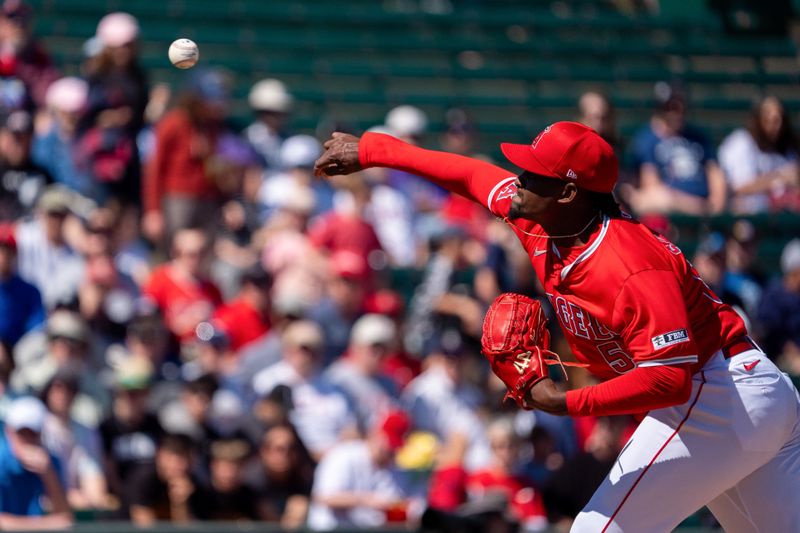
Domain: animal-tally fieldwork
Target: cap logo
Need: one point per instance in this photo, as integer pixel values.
(571, 174)
(538, 137)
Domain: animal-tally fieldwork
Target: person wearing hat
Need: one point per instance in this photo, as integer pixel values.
(117, 98)
(356, 484)
(56, 143)
(75, 445)
(130, 432)
(178, 188)
(779, 310)
(271, 103)
(358, 372)
(321, 412)
(442, 401)
(28, 473)
(20, 302)
(21, 54)
(678, 169)
(637, 314)
(21, 180)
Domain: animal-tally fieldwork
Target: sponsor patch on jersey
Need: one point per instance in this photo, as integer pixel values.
(668, 339)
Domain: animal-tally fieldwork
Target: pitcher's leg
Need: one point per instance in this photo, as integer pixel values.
(768, 499)
(677, 460)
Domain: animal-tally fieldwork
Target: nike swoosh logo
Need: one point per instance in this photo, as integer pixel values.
(537, 253)
(751, 366)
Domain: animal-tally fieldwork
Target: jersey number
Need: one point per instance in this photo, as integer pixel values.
(619, 361)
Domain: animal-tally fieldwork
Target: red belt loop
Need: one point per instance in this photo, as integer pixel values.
(738, 345)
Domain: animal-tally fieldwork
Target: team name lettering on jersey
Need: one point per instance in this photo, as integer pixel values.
(578, 322)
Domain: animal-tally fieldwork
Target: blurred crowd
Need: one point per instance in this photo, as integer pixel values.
(195, 328)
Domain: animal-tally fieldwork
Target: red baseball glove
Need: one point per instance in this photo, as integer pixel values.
(516, 342)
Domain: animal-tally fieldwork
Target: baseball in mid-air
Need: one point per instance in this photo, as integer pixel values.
(183, 53)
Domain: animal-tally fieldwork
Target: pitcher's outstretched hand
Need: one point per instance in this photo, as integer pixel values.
(340, 156)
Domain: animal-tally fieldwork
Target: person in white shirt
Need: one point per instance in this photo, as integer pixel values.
(356, 484)
(439, 401)
(44, 258)
(358, 373)
(761, 161)
(320, 411)
(76, 446)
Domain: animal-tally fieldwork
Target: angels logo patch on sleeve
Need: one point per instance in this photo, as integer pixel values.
(668, 339)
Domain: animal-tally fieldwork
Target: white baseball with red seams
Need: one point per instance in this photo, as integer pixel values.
(184, 53)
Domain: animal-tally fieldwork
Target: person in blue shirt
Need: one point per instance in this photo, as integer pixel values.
(677, 165)
(779, 312)
(29, 475)
(20, 302)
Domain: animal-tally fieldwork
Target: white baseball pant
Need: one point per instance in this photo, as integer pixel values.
(734, 446)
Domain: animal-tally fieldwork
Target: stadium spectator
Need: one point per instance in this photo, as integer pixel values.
(117, 98)
(107, 297)
(571, 486)
(190, 413)
(22, 56)
(247, 317)
(29, 475)
(358, 371)
(56, 142)
(596, 111)
(20, 302)
(442, 401)
(167, 491)
(343, 303)
(743, 277)
(178, 189)
(180, 288)
(271, 103)
(230, 499)
(21, 180)
(345, 228)
(297, 156)
(211, 354)
(66, 343)
(283, 476)
(130, 433)
(356, 483)
(678, 171)
(76, 446)
(44, 257)
(445, 260)
(320, 412)
(761, 160)
(779, 311)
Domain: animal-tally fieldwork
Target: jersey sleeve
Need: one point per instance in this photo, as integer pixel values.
(482, 182)
(650, 315)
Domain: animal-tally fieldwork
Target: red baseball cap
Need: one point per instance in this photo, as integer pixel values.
(568, 151)
(395, 426)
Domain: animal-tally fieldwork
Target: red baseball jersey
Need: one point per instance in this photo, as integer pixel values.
(627, 298)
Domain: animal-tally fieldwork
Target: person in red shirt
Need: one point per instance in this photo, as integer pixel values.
(500, 477)
(178, 189)
(180, 289)
(246, 318)
(723, 423)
